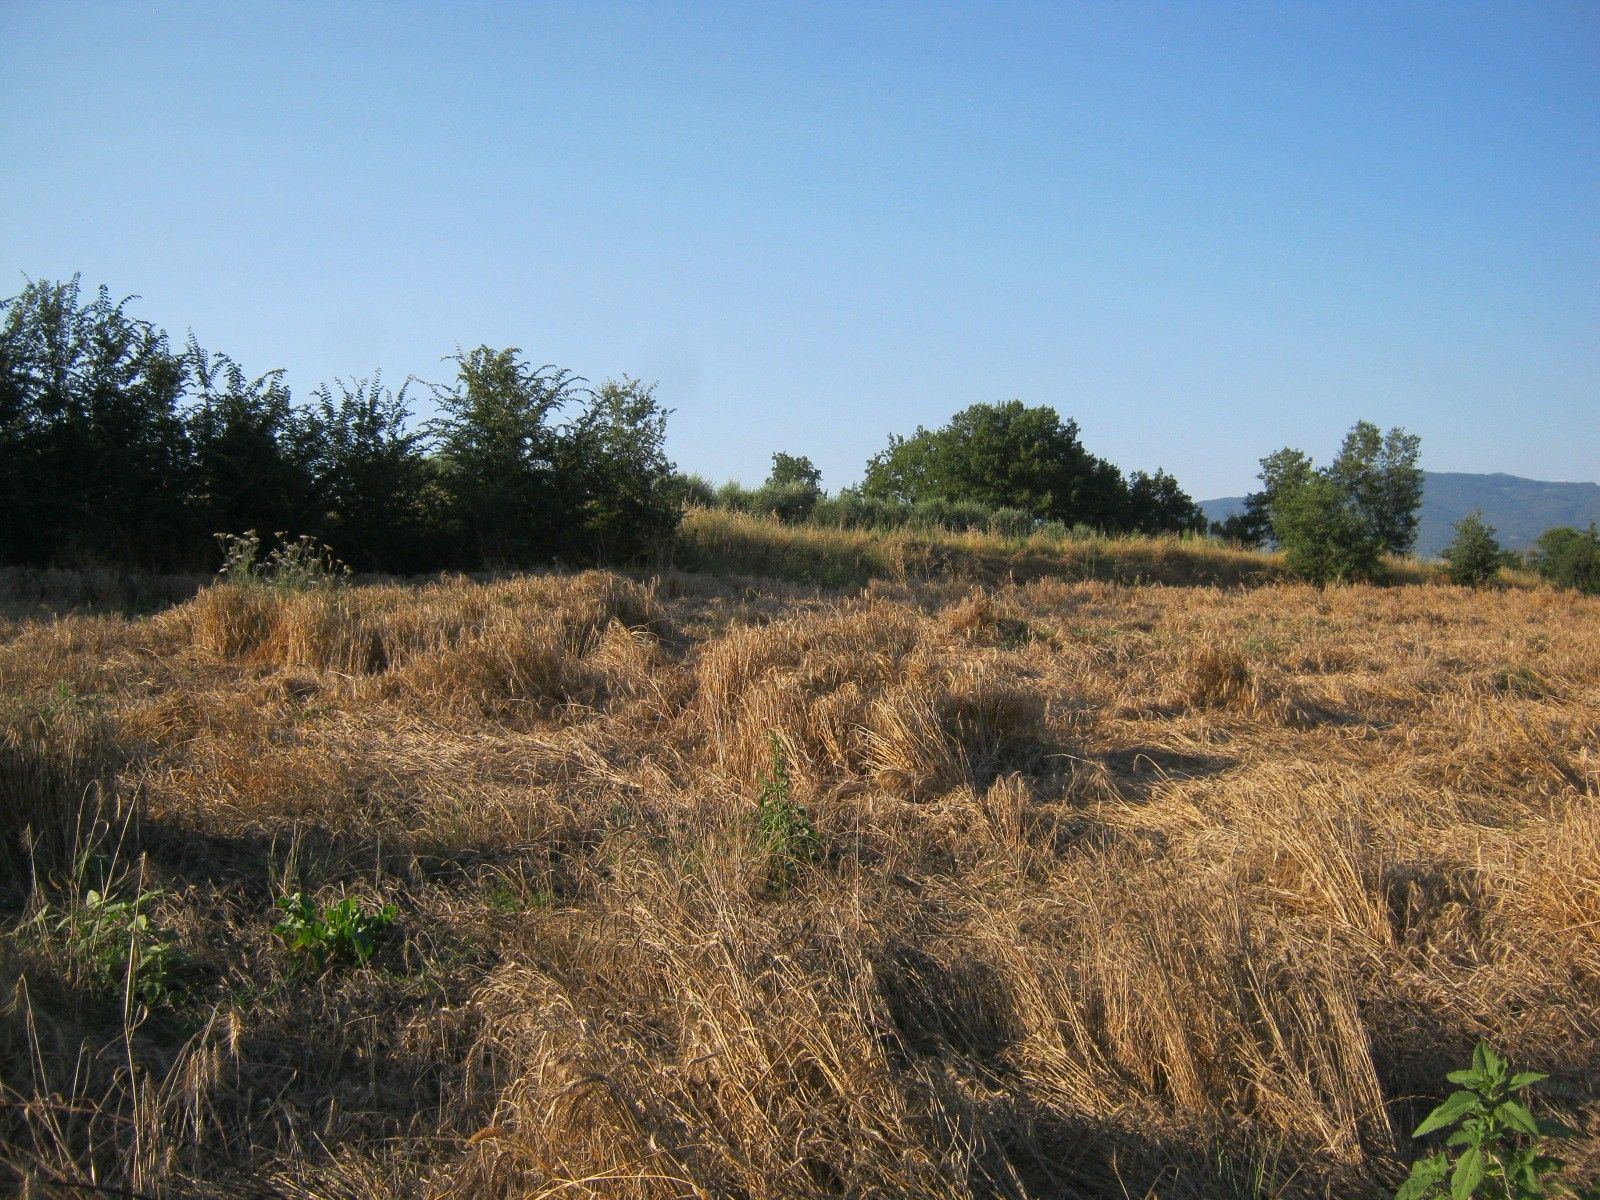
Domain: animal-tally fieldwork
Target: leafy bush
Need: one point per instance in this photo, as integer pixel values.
(791, 502)
(784, 830)
(119, 450)
(1474, 557)
(1570, 558)
(615, 455)
(115, 944)
(1323, 536)
(692, 491)
(1334, 523)
(1495, 1138)
(1012, 523)
(343, 933)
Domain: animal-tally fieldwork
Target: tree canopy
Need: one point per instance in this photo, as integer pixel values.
(1014, 456)
(121, 450)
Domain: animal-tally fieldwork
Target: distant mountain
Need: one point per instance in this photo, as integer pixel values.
(1519, 509)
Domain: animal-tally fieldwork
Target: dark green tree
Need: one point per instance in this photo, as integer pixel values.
(1282, 472)
(789, 470)
(370, 477)
(1474, 556)
(1156, 505)
(905, 471)
(792, 490)
(97, 461)
(1324, 536)
(1379, 473)
(499, 449)
(253, 458)
(1570, 558)
(630, 502)
(1002, 456)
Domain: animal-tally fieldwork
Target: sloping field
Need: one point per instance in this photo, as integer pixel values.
(1098, 890)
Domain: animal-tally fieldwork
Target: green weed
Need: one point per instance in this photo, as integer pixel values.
(339, 934)
(296, 566)
(1496, 1140)
(784, 830)
(115, 944)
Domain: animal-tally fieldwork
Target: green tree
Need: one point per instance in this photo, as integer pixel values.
(1156, 504)
(1474, 556)
(1324, 537)
(903, 472)
(97, 461)
(1570, 558)
(252, 453)
(1379, 473)
(792, 490)
(791, 470)
(1282, 472)
(1002, 456)
(629, 501)
(500, 457)
(370, 477)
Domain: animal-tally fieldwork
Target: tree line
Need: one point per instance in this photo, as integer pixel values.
(1337, 522)
(1009, 469)
(121, 448)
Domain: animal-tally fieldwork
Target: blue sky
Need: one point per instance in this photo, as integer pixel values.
(1204, 230)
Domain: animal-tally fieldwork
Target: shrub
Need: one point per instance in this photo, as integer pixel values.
(1570, 558)
(1011, 522)
(342, 933)
(1324, 539)
(792, 503)
(784, 831)
(692, 491)
(1495, 1135)
(615, 454)
(1474, 557)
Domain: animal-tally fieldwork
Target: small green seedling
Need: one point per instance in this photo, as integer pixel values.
(342, 933)
(1496, 1140)
(783, 827)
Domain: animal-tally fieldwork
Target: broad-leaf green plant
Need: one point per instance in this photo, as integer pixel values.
(1493, 1149)
(116, 945)
(783, 826)
(342, 934)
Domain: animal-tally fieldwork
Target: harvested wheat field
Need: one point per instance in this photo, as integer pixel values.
(716, 888)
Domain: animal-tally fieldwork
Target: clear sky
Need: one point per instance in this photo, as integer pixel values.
(1205, 230)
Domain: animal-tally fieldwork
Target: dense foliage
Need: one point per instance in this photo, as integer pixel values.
(1334, 523)
(1474, 557)
(1570, 558)
(1013, 456)
(120, 448)
(1322, 533)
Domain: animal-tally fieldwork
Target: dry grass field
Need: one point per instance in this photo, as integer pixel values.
(1099, 889)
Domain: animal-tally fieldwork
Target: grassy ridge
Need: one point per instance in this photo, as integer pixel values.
(725, 543)
(1065, 888)
(718, 541)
